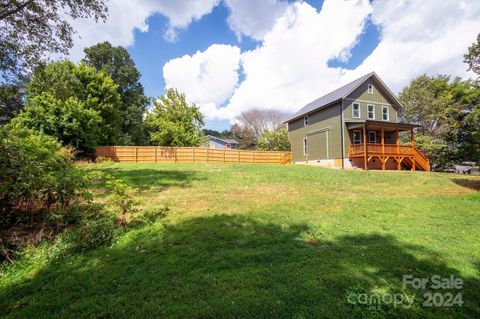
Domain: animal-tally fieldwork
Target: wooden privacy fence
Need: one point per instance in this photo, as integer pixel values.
(159, 154)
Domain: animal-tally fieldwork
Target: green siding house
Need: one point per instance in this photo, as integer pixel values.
(355, 126)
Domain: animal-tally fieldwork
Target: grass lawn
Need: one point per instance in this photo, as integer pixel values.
(257, 241)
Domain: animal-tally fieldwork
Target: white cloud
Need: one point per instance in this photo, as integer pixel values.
(124, 17)
(421, 37)
(254, 18)
(290, 68)
(207, 78)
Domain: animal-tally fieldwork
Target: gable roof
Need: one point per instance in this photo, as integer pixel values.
(340, 94)
(223, 140)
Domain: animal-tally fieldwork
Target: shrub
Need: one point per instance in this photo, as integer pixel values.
(37, 173)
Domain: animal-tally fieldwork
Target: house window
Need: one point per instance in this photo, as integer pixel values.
(372, 137)
(357, 136)
(371, 112)
(356, 111)
(370, 88)
(385, 115)
(305, 146)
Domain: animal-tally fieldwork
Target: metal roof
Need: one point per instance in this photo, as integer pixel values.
(338, 95)
(224, 140)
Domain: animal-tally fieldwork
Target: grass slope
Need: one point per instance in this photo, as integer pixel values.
(265, 241)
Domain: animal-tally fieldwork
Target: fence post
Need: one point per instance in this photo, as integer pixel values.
(238, 156)
(208, 155)
(224, 150)
(253, 157)
(176, 149)
(136, 154)
(193, 154)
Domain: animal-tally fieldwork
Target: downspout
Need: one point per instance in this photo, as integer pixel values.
(341, 134)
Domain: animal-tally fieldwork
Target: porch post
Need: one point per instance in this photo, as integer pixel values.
(365, 162)
(383, 141)
(411, 137)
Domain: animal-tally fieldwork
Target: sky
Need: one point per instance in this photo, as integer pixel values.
(229, 56)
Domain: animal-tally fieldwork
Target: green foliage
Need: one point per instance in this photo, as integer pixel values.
(173, 122)
(444, 110)
(95, 233)
(274, 141)
(36, 172)
(120, 194)
(117, 63)
(11, 102)
(32, 29)
(472, 57)
(74, 103)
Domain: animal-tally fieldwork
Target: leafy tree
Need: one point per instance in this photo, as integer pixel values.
(33, 28)
(244, 135)
(173, 122)
(443, 108)
(472, 57)
(223, 134)
(74, 103)
(274, 141)
(11, 102)
(117, 63)
(258, 121)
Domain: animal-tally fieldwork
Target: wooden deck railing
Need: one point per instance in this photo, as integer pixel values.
(392, 150)
(158, 154)
(357, 150)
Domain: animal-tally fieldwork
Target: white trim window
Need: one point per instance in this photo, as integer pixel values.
(371, 111)
(356, 110)
(357, 136)
(372, 137)
(385, 113)
(305, 146)
(305, 120)
(370, 88)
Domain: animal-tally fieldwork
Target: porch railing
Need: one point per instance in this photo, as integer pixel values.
(379, 149)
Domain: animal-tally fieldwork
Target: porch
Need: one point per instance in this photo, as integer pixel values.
(390, 155)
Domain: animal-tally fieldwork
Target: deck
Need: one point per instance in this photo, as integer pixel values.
(409, 155)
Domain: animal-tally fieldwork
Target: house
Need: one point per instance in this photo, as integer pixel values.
(332, 130)
(221, 143)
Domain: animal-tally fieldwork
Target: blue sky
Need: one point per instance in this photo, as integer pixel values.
(229, 56)
(151, 50)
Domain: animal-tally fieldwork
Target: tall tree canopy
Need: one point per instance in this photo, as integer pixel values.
(11, 101)
(444, 109)
(116, 62)
(173, 122)
(472, 57)
(33, 28)
(74, 103)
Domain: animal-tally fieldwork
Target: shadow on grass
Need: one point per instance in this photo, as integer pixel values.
(145, 179)
(468, 183)
(232, 267)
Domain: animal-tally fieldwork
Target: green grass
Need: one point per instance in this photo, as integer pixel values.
(254, 241)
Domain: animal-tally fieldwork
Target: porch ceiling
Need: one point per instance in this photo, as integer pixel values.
(387, 126)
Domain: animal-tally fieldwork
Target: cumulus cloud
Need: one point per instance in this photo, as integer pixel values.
(254, 18)
(290, 68)
(124, 17)
(207, 78)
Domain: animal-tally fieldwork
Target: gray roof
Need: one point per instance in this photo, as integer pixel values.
(331, 97)
(225, 140)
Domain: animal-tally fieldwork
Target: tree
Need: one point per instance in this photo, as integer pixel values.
(117, 63)
(74, 103)
(274, 141)
(244, 135)
(472, 58)
(11, 102)
(33, 28)
(258, 121)
(173, 122)
(442, 108)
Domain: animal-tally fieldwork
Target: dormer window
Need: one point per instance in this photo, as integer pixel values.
(370, 88)
(356, 110)
(385, 115)
(305, 120)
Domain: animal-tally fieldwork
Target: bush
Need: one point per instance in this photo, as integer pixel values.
(37, 174)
